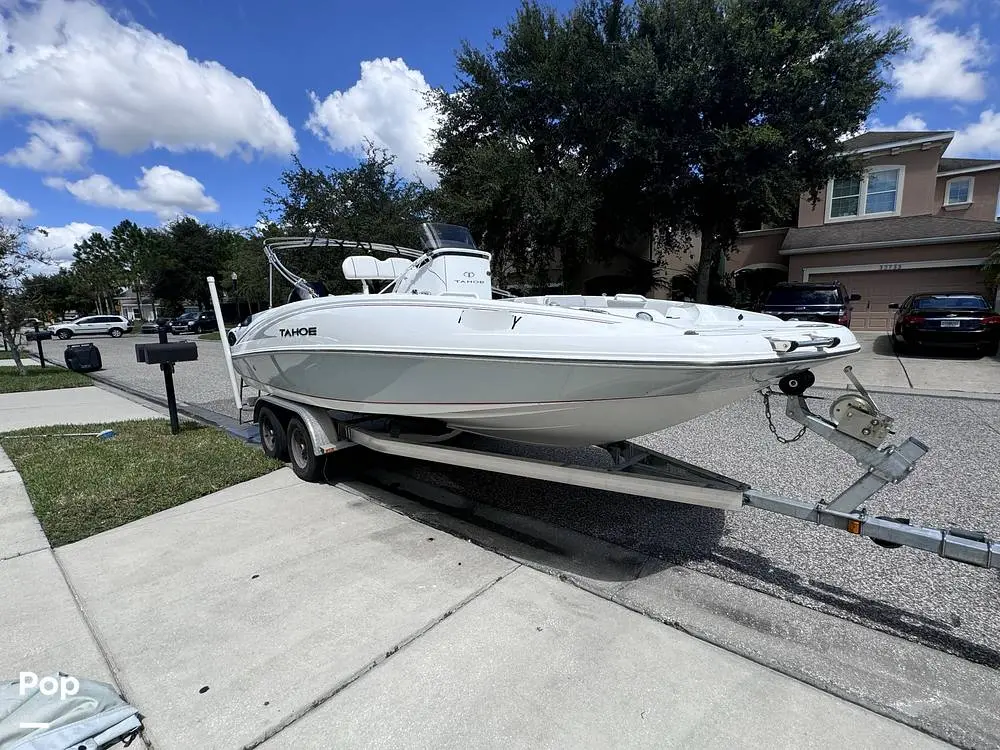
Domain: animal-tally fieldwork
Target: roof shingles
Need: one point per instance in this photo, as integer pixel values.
(882, 137)
(893, 229)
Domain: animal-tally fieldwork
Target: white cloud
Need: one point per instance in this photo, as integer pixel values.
(980, 138)
(51, 148)
(385, 106)
(13, 208)
(161, 190)
(57, 242)
(941, 64)
(70, 61)
(908, 121)
(945, 7)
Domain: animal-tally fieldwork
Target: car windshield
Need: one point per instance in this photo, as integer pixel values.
(188, 316)
(950, 302)
(792, 296)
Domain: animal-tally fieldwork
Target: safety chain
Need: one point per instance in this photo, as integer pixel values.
(770, 423)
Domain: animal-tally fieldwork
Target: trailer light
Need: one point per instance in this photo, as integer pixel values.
(854, 526)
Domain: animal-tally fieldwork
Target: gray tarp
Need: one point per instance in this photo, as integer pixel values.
(94, 716)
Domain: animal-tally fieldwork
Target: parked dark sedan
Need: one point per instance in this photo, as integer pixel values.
(951, 319)
(815, 301)
(194, 322)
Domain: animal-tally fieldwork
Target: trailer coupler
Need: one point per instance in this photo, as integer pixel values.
(858, 427)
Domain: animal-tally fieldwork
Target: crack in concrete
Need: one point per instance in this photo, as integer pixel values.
(113, 669)
(373, 664)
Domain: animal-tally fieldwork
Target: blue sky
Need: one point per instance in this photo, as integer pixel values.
(146, 109)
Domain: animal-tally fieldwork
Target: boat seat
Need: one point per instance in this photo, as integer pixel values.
(370, 268)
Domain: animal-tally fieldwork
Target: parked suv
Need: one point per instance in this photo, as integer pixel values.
(113, 325)
(803, 300)
(194, 322)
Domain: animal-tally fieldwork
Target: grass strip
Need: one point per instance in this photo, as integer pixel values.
(81, 486)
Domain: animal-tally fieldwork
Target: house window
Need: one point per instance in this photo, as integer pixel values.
(846, 197)
(957, 191)
(876, 193)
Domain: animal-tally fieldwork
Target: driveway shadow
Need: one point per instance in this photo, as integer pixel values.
(882, 346)
(907, 623)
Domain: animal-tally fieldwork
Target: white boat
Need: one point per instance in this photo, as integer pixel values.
(438, 342)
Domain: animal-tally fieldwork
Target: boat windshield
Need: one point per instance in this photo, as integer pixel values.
(436, 236)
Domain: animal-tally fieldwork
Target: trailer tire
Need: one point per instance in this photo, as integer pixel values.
(272, 435)
(305, 463)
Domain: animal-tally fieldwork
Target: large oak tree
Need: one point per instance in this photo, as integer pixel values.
(578, 134)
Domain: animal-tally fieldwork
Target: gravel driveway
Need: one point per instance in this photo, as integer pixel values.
(946, 605)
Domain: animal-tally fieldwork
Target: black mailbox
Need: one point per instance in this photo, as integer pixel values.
(38, 335)
(166, 354)
(175, 351)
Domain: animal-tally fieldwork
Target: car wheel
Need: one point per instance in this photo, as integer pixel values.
(115, 333)
(64, 333)
(272, 435)
(306, 464)
(990, 350)
(899, 347)
(196, 328)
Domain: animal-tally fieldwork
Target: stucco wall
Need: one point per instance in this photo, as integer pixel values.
(919, 183)
(796, 263)
(985, 187)
(756, 248)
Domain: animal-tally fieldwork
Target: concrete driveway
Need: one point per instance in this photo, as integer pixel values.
(879, 368)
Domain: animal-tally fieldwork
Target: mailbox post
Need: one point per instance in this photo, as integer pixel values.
(166, 355)
(38, 337)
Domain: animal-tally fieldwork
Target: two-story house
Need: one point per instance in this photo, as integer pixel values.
(915, 221)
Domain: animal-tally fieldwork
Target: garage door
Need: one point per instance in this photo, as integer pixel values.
(878, 289)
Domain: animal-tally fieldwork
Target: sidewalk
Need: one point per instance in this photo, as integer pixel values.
(42, 628)
(282, 614)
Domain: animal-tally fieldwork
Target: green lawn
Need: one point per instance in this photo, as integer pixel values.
(80, 486)
(214, 336)
(4, 355)
(40, 378)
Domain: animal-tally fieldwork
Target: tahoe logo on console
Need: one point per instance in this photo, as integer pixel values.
(470, 278)
(310, 331)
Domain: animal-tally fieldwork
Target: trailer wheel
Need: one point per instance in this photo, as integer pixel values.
(272, 435)
(306, 464)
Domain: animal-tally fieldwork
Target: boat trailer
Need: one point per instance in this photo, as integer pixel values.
(309, 436)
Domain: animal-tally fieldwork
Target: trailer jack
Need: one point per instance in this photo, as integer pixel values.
(858, 427)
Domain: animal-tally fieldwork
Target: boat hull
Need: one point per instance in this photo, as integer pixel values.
(529, 400)
(561, 371)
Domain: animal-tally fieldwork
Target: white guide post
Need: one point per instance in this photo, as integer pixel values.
(223, 337)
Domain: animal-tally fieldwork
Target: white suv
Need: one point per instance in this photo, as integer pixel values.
(113, 325)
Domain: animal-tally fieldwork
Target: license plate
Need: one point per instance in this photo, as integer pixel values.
(951, 323)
